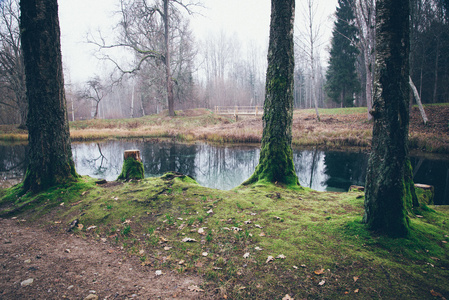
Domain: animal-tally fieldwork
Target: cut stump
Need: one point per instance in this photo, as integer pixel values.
(132, 166)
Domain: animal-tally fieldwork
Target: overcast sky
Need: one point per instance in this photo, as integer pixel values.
(248, 19)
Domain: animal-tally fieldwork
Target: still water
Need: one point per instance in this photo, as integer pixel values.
(224, 168)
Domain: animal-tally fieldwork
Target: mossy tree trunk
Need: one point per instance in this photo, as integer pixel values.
(388, 183)
(276, 158)
(50, 156)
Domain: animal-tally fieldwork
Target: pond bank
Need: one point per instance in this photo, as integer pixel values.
(254, 242)
(339, 128)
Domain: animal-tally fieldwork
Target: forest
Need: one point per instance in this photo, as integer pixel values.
(216, 71)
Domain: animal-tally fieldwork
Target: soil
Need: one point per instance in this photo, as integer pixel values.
(65, 266)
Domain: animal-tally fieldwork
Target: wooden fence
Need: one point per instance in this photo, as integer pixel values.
(239, 110)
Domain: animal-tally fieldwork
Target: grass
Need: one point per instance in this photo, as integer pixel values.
(328, 252)
(339, 128)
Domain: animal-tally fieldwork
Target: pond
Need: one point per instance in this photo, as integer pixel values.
(225, 167)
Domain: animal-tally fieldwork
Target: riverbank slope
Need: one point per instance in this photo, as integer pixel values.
(338, 128)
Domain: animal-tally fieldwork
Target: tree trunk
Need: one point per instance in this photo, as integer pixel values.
(50, 154)
(276, 157)
(389, 180)
(418, 100)
(170, 99)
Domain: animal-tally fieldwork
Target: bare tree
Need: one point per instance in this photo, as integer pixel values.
(309, 43)
(365, 12)
(95, 91)
(12, 70)
(149, 29)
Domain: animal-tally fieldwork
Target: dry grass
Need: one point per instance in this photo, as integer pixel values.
(338, 128)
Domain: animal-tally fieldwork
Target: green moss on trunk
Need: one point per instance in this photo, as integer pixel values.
(50, 156)
(389, 185)
(132, 169)
(276, 158)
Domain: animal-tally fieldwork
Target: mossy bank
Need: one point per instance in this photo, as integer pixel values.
(253, 242)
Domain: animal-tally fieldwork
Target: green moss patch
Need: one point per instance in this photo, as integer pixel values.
(318, 245)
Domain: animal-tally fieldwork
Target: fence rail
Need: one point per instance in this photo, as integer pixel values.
(239, 110)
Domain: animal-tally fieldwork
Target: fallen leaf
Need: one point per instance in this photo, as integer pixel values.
(182, 226)
(258, 248)
(195, 288)
(247, 222)
(319, 272)
(180, 219)
(355, 278)
(262, 234)
(322, 282)
(356, 291)
(270, 258)
(57, 222)
(158, 272)
(246, 255)
(181, 262)
(188, 240)
(295, 267)
(162, 239)
(444, 242)
(419, 216)
(204, 254)
(237, 229)
(277, 218)
(226, 228)
(210, 211)
(67, 250)
(303, 266)
(166, 248)
(91, 227)
(80, 226)
(258, 226)
(287, 297)
(281, 256)
(201, 231)
(127, 221)
(436, 294)
(141, 252)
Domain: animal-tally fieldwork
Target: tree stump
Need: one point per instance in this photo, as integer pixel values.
(132, 166)
(132, 153)
(425, 193)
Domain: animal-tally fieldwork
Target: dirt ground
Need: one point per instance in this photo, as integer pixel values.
(64, 266)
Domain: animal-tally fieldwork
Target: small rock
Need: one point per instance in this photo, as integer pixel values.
(91, 297)
(67, 250)
(27, 282)
(27, 261)
(70, 287)
(158, 272)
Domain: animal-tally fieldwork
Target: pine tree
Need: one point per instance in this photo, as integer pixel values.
(342, 81)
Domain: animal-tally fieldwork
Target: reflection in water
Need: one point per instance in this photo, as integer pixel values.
(226, 167)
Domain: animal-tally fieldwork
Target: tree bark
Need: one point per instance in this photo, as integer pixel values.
(276, 158)
(170, 98)
(389, 180)
(50, 156)
(418, 101)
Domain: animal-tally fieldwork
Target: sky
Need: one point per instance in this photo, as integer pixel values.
(247, 19)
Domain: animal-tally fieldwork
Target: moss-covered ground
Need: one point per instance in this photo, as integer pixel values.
(253, 242)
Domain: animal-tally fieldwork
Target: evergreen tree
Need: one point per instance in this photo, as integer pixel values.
(342, 81)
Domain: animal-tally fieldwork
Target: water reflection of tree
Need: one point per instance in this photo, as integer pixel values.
(225, 167)
(344, 169)
(160, 158)
(308, 164)
(13, 161)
